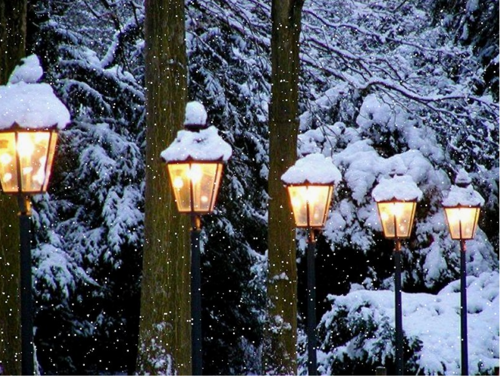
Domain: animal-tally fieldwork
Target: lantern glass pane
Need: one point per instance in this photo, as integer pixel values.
(312, 201)
(396, 218)
(205, 178)
(8, 162)
(462, 222)
(179, 180)
(50, 159)
(319, 198)
(33, 149)
(298, 195)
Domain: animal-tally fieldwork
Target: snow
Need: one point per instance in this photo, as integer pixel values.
(313, 168)
(28, 104)
(463, 196)
(400, 187)
(205, 145)
(195, 114)
(433, 320)
(29, 72)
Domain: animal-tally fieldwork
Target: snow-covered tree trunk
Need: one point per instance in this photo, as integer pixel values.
(165, 330)
(12, 50)
(280, 343)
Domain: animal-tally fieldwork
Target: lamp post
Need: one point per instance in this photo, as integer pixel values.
(462, 207)
(310, 184)
(195, 161)
(396, 203)
(26, 157)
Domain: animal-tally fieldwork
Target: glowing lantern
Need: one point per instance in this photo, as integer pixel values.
(195, 184)
(310, 183)
(396, 199)
(462, 207)
(26, 157)
(397, 217)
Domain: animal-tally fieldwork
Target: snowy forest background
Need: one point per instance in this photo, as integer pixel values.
(386, 87)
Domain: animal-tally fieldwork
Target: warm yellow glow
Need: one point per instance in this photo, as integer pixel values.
(26, 155)
(310, 204)
(26, 145)
(195, 173)
(396, 218)
(178, 183)
(462, 222)
(5, 159)
(195, 185)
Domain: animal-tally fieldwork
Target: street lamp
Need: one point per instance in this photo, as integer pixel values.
(396, 203)
(462, 207)
(30, 117)
(25, 162)
(310, 184)
(195, 161)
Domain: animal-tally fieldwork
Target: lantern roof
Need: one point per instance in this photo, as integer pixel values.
(399, 187)
(27, 104)
(314, 169)
(205, 145)
(463, 196)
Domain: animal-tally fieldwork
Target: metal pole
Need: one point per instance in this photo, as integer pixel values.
(311, 306)
(196, 335)
(398, 313)
(463, 310)
(27, 360)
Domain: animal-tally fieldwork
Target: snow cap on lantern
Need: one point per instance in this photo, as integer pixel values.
(27, 104)
(195, 162)
(314, 169)
(462, 193)
(462, 208)
(396, 199)
(399, 187)
(310, 185)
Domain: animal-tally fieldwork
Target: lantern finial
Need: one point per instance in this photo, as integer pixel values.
(195, 116)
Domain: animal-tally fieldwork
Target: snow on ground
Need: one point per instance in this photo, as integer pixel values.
(435, 321)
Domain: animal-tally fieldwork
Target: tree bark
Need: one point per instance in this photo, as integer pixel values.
(165, 330)
(280, 344)
(13, 20)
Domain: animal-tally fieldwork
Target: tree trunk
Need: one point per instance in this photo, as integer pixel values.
(165, 331)
(280, 344)
(12, 50)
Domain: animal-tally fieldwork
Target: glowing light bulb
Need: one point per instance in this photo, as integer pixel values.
(5, 159)
(195, 173)
(27, 170)
(7, 177)
(178, 182)
(204, 199)
(39, 177)
(25, 146)
(397, 209)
